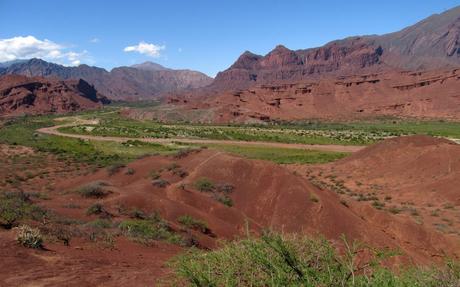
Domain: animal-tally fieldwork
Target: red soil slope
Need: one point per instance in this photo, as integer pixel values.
(415, 177)
(265, 195)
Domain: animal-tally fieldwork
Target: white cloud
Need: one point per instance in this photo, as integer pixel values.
(31, 47)
(95, 40)
(148, 49)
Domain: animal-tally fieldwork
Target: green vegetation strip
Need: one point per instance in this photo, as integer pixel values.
(276, 260)
(22, 131)
(281, 155)
(312, 132)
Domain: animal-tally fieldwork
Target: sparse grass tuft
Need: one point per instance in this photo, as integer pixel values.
(95, 189)
(29, 237)
(146, 231)
(204, 185)
(193, 223)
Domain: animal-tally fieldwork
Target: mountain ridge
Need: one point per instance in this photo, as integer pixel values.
(120, 83)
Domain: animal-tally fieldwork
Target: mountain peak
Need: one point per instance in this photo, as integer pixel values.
(149, 66)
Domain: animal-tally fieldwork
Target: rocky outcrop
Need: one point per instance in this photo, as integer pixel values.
(24, 95)
(430, 44)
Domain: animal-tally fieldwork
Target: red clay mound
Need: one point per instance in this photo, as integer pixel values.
(259, 194)
(264, 195)
(414, 177)
(426, 165)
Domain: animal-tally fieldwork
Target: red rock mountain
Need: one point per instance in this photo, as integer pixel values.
(139, 82)
(429, 44)
(410, 73)
(24, 95)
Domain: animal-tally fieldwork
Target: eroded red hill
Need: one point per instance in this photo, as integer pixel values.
(23, 95)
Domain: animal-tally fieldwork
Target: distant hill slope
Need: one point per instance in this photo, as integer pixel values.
(429, 44)
(140, 82)
(24, 95)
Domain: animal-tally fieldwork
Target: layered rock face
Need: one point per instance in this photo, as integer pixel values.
(23, 95)
(432, 43)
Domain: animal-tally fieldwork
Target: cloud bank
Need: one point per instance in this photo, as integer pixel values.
(144, 48)
(31, 47)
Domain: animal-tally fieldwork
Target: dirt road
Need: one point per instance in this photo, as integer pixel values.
(336, 148)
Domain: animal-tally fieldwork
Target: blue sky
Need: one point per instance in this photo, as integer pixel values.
(202, 35)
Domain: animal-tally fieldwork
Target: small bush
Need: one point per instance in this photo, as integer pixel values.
(225, 188)
(193, 223)
(183, 153)
(172, 166)
(154, 174)
(130, 171)
(15, 206)
(180, 172)
(314, 198)
(145, 231)
(101, 223)
(162, 183)
(378, 205)
(395, 210)
(114, 168)
(96, 208)
(204, 185)
(224, 199)
(137, 214)
(29, 237)
(96, 189)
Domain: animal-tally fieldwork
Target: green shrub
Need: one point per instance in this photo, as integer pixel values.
(276, 260)
(154, 174)
(377, 204)
(114, 168)
(100, 223)
(193, 223)
(29, 237)
(96, 209)
(137, 214)
(204, 185)
(15, 206)
(224, 199)
(130, 171)
(95, 189)
(225, 187)
(162, 183)
(146, 231)
(180, 172)
(172, 166)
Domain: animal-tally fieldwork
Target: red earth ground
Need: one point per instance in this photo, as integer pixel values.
(265, 195)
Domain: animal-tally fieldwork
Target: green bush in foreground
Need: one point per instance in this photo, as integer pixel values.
(276, 260)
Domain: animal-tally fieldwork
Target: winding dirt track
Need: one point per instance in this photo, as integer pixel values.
(335, 148)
